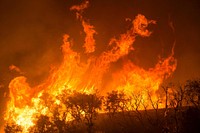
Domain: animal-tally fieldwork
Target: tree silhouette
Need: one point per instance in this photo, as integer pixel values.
(43, 125)
(12, 128)
(115, 102)
(177, 100)
(84, 108)
(192, 88)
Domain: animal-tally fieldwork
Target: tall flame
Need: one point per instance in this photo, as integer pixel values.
(89, 44)
(26, 102)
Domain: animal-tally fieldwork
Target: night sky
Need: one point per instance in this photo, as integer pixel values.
(31, 34)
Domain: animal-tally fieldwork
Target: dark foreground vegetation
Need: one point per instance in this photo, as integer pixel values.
(123, 114)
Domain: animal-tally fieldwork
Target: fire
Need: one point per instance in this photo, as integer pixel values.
(15, 68)
(27, 103)
(89, 44)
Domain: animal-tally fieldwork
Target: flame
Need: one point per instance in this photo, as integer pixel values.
(26, 102)
(89, 44)
(15, 68)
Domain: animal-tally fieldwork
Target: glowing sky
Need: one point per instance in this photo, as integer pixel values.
(31, 34)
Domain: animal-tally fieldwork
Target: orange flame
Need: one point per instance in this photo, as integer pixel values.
(26, 102)
(89, 44)
(15, 68)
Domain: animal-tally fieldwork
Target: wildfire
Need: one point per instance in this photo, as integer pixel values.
(27, 103)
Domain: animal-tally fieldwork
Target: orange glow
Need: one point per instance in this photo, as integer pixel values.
(26, 102)
(89, 44)
(15, 68)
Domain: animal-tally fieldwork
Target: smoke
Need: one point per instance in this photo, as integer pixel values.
(30, 37)
(31, 34)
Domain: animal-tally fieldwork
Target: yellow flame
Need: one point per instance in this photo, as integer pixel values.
(26, 102)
